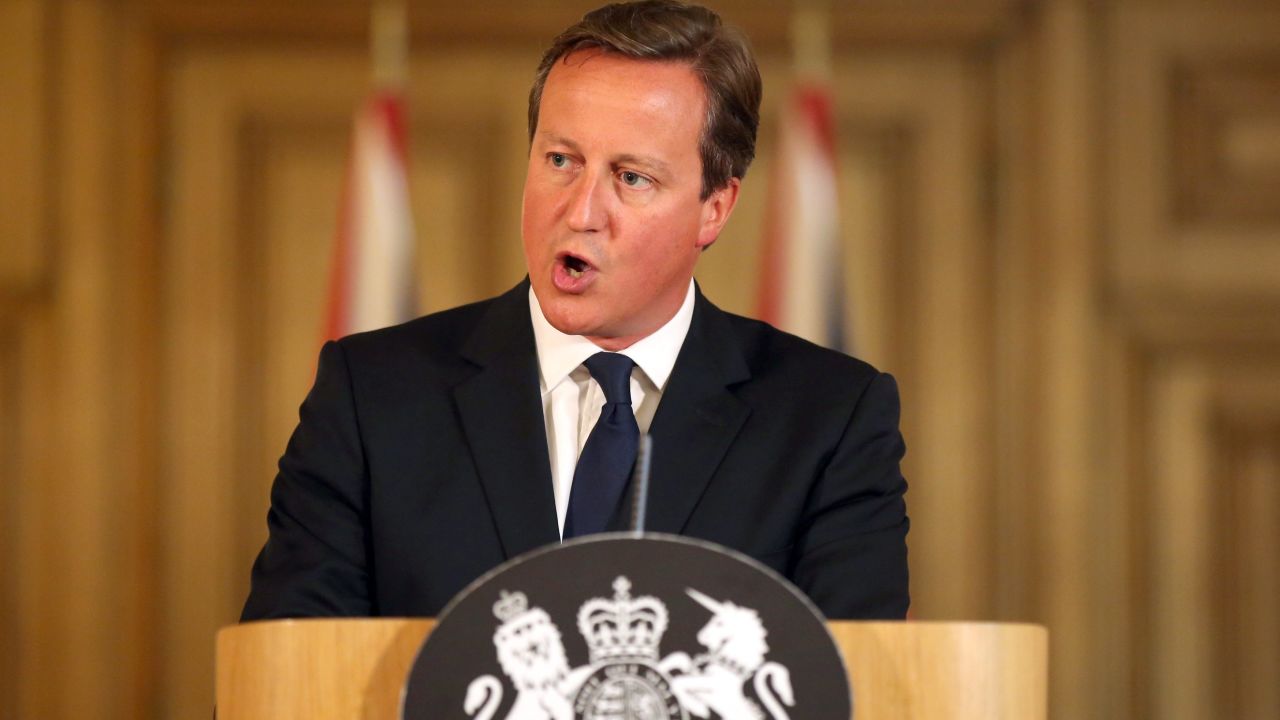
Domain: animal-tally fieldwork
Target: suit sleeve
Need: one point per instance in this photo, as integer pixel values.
(852, 558)
(315, 561)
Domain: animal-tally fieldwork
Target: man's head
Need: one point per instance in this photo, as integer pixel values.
(669, 30)
(642, 121)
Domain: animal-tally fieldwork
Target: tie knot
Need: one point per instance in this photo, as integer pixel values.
(613, 372)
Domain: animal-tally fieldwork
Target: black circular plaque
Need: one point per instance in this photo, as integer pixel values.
(615, 627)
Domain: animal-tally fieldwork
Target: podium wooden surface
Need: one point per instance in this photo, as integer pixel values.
(354, 669)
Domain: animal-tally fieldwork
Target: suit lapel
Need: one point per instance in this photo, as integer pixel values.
(503, 422)
(697, 419)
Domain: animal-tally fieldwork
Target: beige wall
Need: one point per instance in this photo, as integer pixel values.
(1063, 234)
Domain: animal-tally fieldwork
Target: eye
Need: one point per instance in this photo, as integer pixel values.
(634, 179)
(558, 160)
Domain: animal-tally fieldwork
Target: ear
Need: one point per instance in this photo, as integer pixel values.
(716, 210)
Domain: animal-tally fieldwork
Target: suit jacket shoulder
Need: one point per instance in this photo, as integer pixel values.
(436, 340)
(418, 463)
(792, 451)
(770, 352)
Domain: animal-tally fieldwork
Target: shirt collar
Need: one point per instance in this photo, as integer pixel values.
(560, 354)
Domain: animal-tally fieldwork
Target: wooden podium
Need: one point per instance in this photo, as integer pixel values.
(354, 669)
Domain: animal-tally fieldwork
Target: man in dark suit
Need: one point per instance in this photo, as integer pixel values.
(428, 453)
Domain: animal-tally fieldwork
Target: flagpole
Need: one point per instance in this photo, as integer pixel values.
(811, 40)
(389, 44)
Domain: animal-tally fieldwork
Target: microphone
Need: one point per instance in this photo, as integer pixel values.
(640, 484)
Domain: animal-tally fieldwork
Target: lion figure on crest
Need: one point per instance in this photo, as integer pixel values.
(532, 655)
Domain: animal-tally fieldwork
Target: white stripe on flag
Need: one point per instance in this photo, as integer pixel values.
(802, 287)
(373, 278)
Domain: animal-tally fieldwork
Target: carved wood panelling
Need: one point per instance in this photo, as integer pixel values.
(24, 71)
(21, 133)
(933, 272)
(1193, 175)
(1206, 517)
(1226, 140)
(11, 498)
(1194, 270)
(1247, 516)
(1064, 436)
(62, 536)
(438, 23)
(24, 42)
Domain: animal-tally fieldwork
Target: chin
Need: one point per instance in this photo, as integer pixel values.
(565, 319)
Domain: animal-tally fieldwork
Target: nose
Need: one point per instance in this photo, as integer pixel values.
(588, 203)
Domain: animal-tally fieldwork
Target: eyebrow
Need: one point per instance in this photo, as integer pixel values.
(644, 161)
(653, 164)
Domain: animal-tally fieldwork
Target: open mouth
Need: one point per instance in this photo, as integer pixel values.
(575, 265)
(573, 274)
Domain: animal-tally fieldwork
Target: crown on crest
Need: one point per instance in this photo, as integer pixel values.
(510, 605)
(518, 619)
(624, 628)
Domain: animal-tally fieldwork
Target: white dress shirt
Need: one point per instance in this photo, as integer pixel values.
(572, 399)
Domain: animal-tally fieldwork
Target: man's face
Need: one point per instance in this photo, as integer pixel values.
(612, 221)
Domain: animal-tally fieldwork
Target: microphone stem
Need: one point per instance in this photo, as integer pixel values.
(640, 484)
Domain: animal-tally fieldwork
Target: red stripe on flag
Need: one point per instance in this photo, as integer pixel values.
(815, 107)
(371, 278)
(391, 110)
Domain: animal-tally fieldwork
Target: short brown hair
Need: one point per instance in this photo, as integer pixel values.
(670, 30)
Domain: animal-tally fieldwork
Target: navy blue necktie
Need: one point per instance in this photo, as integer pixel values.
(604, 468)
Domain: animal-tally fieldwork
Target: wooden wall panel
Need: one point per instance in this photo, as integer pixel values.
(1247, 518)
(1080, 552)
(1180, 547)
(937, 279)
(10, 501)
(228, 297)
(63, 548)
(1194, 268)
(1206, 518)
(291, 170)
(23, 72)
(1193, 111)
(1226, 129)
(82, 540)
(24, 75)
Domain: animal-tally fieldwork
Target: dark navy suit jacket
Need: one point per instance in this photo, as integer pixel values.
(420, 462)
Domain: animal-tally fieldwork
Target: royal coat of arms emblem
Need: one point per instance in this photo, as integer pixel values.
(612, 627)
(626, 676)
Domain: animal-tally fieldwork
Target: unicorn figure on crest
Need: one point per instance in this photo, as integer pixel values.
(735, 645)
